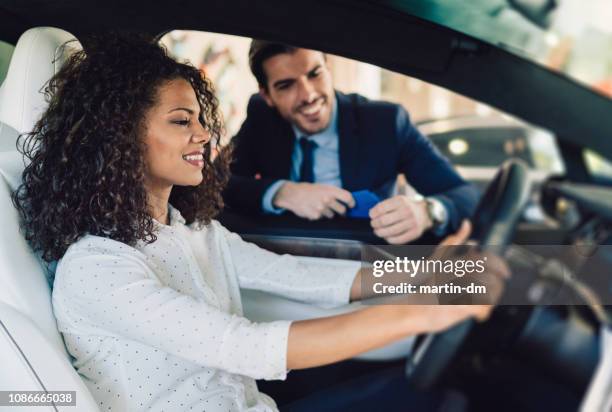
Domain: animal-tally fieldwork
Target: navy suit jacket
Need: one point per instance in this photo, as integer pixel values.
(377, 141)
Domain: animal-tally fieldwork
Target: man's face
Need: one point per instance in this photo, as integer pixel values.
(300, 88)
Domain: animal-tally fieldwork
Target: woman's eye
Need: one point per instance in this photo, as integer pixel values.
(184, 122)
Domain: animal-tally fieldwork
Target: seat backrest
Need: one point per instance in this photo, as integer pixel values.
(32, 352)
(29, 363)
(8, 137)
(38, 55)
(22, 273)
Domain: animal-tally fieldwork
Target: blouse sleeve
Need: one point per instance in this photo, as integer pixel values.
(120, 296)
(307, 279)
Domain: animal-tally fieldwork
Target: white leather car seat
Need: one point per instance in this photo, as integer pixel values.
(8, 137)
(32, 352)
(38, 55)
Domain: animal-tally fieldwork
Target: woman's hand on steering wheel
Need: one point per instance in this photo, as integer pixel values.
(495, 273)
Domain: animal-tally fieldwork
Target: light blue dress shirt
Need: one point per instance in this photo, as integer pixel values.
(325, 160)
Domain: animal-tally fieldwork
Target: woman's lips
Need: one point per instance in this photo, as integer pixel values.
(194, 159)
(197, 163)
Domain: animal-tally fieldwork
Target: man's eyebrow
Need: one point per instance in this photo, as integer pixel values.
(282, 82)
(181, 108)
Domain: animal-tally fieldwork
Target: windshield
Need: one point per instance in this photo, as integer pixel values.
(573, 37)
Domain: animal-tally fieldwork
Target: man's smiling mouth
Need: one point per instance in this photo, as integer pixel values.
(313, 109)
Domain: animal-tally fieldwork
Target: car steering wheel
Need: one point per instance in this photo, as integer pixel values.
(494, 222)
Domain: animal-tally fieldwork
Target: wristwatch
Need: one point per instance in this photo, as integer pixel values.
(435, 210)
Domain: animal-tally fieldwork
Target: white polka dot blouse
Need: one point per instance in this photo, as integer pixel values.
(160, 327)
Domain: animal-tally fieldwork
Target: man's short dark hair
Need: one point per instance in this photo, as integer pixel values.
(262, 50)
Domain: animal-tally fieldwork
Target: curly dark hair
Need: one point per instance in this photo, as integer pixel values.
(86, 170)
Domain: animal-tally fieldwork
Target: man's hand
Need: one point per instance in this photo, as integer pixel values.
(400, 219)
(313, 201)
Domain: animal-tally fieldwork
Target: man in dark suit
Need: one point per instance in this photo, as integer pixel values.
(307, 149)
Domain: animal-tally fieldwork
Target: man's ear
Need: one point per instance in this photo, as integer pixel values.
(263, 92)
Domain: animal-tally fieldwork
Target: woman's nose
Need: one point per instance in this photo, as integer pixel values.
(201, 135)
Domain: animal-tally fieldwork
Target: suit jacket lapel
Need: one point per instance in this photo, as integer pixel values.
(281, 150)
(348, 145)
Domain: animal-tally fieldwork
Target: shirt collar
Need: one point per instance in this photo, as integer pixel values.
(176, 219)
(175, 216)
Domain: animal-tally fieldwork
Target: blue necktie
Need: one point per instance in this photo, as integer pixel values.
(307, 166)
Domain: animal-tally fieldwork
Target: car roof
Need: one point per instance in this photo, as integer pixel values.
(376, 32)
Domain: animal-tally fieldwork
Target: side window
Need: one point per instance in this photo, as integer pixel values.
(483, 147)
(469, 133)
(472, 142)
(598, 166)
(6, 51)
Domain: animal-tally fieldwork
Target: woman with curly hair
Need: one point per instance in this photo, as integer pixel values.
(121, 188)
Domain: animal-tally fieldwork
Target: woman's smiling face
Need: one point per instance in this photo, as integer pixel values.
(174, 138)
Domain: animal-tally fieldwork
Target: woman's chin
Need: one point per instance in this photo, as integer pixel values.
(190, 182)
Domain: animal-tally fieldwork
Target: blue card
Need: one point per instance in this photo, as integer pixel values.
(364, 201)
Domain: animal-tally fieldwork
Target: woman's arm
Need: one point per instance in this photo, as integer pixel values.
(322, 341)
(306, 279)
(103, 291)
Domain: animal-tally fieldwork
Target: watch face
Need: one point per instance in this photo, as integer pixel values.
(417, 197)
(437, 213)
